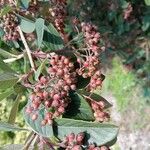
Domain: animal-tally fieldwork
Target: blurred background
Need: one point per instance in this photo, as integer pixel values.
(125, 30)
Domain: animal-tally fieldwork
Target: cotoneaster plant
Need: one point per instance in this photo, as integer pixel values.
(59, 79)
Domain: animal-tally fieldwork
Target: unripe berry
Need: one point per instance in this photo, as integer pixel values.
(66, 61)
(34, 117)
(29, 110)
(55, 103)
(44, 122)
(60, 72)
(77, 147)
(35, 105)
(47, 103)
(43, 80)
(104, 148)
(73, 87)
(61, 109)
(45, 94)
(79, 138)
(56, 97)
(48, 115)
(71, 137)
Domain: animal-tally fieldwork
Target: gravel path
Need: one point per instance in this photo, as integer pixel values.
(129, 139)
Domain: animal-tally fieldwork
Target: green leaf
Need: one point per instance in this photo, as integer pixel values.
(52, 39)
(14, 110)
(99, 133)
(26, 25)
(6, 54)
(5, 67)
(146, 22)
(9, 127)
(39, 26)
(40, 69)
(147, 2)
(35, 125)
(12, 147)
(7, 80)
(1, 32)
(6, 10)
(79, 108)
(98, 98)
(6, 94)
(82, 82)
(25, 3)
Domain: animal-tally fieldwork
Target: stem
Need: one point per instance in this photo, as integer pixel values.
(27, 48)
(9, 60)
(29, 141)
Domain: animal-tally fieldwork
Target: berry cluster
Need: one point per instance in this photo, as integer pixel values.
(73, 142)
(93, 147)
(9, 24)
(98, 108)
(92, 37)
(76, 142)
(52, 90)
(4, 2)
(58, 12)
(89, 59)
(127, 12)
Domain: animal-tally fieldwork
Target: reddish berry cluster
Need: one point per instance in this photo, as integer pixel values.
(98, 108)
(4, 2)
(127, 12)
(52, 90)
(58, 12)
(76, 142)
(9, 24)
(92, 37)
(93, 147)
(73, 142)
(89, 59)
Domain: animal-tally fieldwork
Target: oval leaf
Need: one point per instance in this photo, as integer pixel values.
(40, 69)
(39, 26)
(26, 25)
(99, 133)
(12, 147)
(5, 67)
(14, 110)
(36, 126)
(6, 94)
(147, 2)
(7, 80)
(9, 127)
(52, 39)
(79, 108)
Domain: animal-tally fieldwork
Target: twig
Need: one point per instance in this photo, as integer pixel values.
(27, 48)
(29, 141)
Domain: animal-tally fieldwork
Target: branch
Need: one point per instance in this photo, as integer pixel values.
(27, 48)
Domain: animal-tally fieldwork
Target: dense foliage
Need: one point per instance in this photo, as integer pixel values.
(58, 72)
